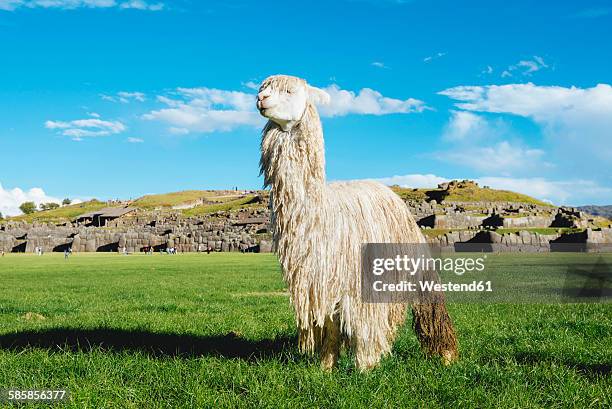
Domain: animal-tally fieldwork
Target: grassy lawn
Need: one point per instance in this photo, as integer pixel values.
(217, 330)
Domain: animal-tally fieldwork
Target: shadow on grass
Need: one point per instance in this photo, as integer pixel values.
(155, 344)
(587, 369)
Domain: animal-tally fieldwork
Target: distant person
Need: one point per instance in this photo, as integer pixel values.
(2, 253)
(66, 254)
(208, 250)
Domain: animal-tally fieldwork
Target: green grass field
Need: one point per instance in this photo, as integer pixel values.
(217, 330)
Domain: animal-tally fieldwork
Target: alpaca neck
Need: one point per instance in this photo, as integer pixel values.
(293, 164)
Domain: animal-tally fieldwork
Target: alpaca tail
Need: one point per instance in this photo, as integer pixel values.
(435, 331)
(434, 327)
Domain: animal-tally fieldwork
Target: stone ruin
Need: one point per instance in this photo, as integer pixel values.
(508, 215)
(247, 230)
(524, 241)
(477, 222)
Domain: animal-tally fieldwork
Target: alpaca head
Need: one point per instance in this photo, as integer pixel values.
(284, 99)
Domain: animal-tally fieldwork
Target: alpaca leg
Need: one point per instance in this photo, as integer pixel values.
(366, 356)
(330, 349)
(435, 331)
(309, 339)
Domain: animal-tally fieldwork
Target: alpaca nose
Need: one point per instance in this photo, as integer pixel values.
(262, 97)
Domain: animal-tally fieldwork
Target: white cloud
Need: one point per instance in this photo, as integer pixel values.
(502, 158)
(124, 97)
(576, 121)
(572, 192)
(488, 70)
(464, 124)
(141, 5)
(135, 140)
(213, 110)
(478, 143)
(90, 127)
(434, 57)
(207, 110)
(11, 5)
(251, 85)
(207, 97)
(525, 67)
(367, 101)
(379, 64)
(10, 200)
(413, 180)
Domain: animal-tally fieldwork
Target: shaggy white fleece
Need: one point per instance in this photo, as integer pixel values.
(319, 229)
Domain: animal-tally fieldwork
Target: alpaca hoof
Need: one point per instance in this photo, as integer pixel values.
(367, 366)
(327, 366)
(449, 357)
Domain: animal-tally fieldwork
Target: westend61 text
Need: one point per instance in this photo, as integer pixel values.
(432, 286)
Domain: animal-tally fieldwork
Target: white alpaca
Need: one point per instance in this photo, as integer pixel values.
(318, 230)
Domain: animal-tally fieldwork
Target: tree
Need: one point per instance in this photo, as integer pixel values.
(1, 216)
(66, 202)
(28, 207)
(48, 206)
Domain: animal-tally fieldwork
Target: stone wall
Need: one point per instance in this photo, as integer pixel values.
(7, 242)
(245, 231)
(526, 222)
(511, 215)
(521, 241)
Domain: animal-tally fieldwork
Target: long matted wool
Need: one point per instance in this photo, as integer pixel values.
(318, 230)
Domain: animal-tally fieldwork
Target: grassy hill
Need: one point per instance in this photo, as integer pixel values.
(62, 214)
(172, 199)
(235, 204)
(227, 200)
(214, 201)
(469, 192)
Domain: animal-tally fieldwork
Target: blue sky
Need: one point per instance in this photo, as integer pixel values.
(119, 98)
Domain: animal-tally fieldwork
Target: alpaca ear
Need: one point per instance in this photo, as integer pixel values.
(317, 96)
